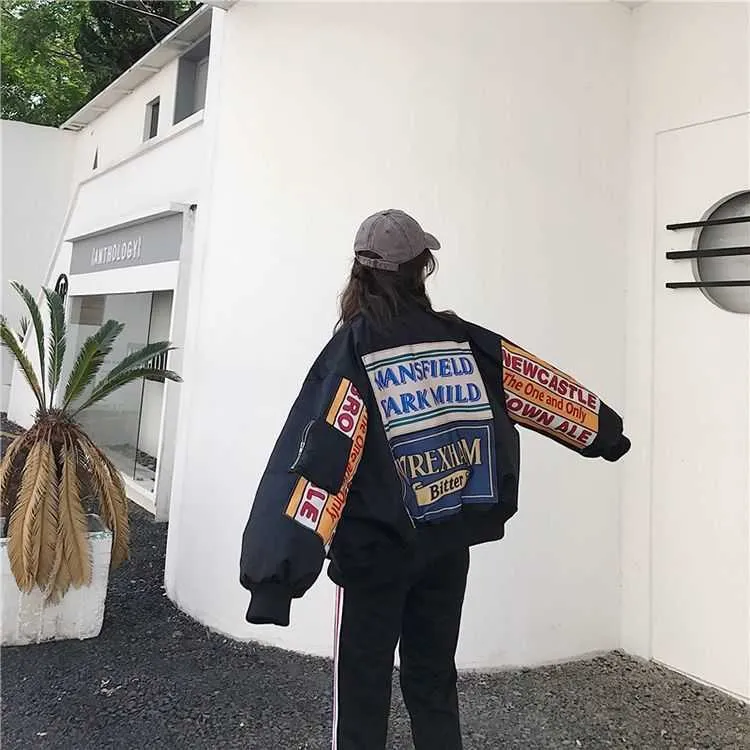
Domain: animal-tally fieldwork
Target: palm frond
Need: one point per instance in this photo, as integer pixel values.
(10, 341)
(23, 327)
(48, 526)
(121, 551)
(6, 469)
(36, 317)
(138, 358)
(113, 503)
(59, 578)
(109, 385)
(74, 567)
(50, 473)
(24, 537)
(57, 342)
(90, 359)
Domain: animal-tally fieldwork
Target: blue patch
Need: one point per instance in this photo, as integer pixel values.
(446, 467)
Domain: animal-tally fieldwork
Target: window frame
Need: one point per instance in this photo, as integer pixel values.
(151, 123)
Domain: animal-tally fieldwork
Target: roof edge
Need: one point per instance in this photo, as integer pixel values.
(177, 42)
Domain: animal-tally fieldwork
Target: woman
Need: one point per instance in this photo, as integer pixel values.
(399, 454)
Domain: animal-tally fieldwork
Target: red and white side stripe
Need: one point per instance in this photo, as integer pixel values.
(337, 638)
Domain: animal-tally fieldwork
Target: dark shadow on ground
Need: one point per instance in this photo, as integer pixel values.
(156, 679)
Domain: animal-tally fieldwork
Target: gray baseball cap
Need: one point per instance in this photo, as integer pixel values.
(393, 237)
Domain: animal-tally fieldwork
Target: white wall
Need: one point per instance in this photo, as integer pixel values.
(503, 128)
(37, 166)
(690, 65)
(167, 173)
(119, 131)
(701, 453)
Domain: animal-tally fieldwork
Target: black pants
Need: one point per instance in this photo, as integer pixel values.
(423, 609)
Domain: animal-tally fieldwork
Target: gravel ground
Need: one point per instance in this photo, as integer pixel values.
(156, 679)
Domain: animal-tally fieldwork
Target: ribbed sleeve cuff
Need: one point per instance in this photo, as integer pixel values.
(269, 605)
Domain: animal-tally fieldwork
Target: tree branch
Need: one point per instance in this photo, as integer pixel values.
(151, 32)
(57, 52)
(143, 12)
(148, 23)
(69, 56)
(60, 53)
(9, 13)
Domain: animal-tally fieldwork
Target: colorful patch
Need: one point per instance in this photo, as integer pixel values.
(313, 507)
(345, 408)
(546, 399)
(438, 421)
(445, 468)
(419, 386)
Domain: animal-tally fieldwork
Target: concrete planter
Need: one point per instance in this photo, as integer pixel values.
(80, 613)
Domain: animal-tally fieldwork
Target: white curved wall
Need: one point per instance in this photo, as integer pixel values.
(503, 129)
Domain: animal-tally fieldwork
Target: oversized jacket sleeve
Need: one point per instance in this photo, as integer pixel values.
(304, 488)
(543, 398)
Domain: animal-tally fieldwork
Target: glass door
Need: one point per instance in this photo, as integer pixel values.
(127, 424)
(152, 395)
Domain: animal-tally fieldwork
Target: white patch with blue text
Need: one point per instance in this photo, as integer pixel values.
(427, 385)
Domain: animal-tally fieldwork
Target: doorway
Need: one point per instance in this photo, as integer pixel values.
(701, 459)
(127, 425)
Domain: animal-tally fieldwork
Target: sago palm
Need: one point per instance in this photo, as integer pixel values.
(51, 472)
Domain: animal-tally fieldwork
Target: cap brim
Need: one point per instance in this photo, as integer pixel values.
(432, 241)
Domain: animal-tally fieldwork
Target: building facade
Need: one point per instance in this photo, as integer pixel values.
(37, 182)
(548, 146)
(125, 244)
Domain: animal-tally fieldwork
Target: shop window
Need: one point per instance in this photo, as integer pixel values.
(192, 76)
(88, 311)
(151, 127)
(729, 267)
(126, 424)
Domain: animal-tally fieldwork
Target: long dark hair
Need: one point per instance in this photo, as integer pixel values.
(380, 296)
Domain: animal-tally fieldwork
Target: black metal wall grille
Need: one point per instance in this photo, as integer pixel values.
(708, 223)
(718, 252)
(706, 284)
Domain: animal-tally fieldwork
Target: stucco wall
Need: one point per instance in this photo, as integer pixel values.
(167, 173)
(37, 170)
(503, 128)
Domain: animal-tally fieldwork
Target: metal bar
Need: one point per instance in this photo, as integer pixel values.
(718, 252)
(706, 284)
(708, 223)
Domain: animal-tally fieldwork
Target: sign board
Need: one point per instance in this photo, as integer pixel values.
(152, 241)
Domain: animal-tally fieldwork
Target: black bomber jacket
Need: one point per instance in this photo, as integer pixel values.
(403, 435)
